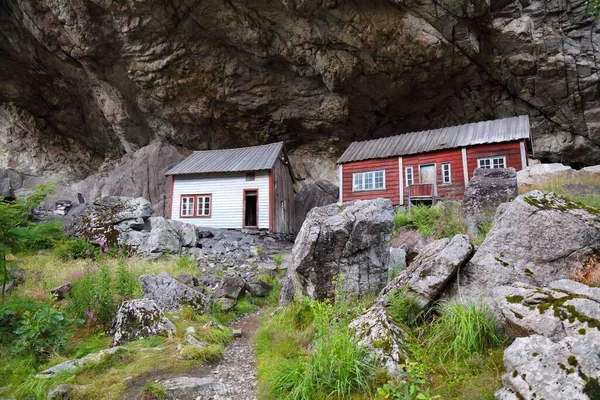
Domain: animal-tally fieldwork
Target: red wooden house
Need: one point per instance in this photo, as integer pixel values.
(431, 164)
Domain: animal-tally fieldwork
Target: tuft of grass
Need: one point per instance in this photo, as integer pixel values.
(403, 307)
(153, 391)
(278, 258)
(464, 330)
(210, 353)
(581, 187)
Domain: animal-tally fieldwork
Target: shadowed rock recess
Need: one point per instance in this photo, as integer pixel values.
(83, 80)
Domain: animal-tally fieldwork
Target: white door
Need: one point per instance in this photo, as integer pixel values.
(427, 174)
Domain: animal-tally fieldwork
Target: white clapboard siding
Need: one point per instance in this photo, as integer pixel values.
(227, 198)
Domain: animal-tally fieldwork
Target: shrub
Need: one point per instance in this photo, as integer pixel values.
(41, 332)
(75, 248)
(92, 298)
(41, 236)
(402, 219)
(461, 330)
(403, 307)
(411, 385)
(126, 285)
(425, 218)
(153, 391)
(11, 314)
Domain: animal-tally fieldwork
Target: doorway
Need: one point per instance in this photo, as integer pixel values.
(427, 174)
(250, 208)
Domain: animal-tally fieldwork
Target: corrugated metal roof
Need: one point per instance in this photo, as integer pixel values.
(254, 158)
(499, 130)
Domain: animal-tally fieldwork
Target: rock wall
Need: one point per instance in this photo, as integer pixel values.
(97, 78)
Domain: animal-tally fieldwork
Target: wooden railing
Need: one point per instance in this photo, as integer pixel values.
(425, 190)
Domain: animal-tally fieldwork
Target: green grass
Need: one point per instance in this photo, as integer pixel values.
(402, 218)
(441, 220)
(210, 353)
(403, 307)
(153, 391)
(559, 186)
(464, 330)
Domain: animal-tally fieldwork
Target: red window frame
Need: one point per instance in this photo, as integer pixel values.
(195, 197)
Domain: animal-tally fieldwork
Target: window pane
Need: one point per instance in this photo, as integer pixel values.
(357, 181)
(379, 180)
(207, 206)
(368, 180)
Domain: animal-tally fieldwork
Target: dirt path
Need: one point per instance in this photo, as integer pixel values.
(237, 368)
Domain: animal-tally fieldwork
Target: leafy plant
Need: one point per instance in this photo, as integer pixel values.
(412, 385)
(126, 285)
(75, 248)
(403, 219)
(463, 330)
(425, 218)
(403, 307)
(41, 331)
(92, 298)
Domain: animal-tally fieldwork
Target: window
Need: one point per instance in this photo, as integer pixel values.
(195, 205)
(492, 162)
(187, 206)
(203, 206)
(371, 180)
(409, 175)
(446, 173)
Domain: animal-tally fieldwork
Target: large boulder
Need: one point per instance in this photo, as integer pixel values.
(489, 188)
(312, 195)
(411, 241)
(232, 287)
(137, 319)
(384, 338)
(108, 217)
(561, 359)
(536, 239)
(563, 308)
(163, 239)
(542, 173)
(72, 365)
(349, 242)
(188, 233)
(428, 274)
(169, 294)
(538, 368)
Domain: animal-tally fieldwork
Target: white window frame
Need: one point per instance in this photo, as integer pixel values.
(410, 181)
(491, 160)
(361, 176)
(444, 167)
(200, 209)
(186, 210)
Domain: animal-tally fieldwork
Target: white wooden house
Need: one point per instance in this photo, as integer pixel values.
(249, 187)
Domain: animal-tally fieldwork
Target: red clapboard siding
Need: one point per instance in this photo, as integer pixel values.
(511, 150)
(455, 188)
(392, 190)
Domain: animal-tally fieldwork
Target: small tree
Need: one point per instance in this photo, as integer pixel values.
(16, 225)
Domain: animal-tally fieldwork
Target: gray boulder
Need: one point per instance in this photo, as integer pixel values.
(489, 188)
(384, 338)
(349, 241)
(538, 368)
(564, 308)
(540, 173)
(411, 241)
(536, 239)
(6, 190)
(137, 319)
(71, 365)
(432, 270)
(162, 239)
(397, 262)
(257, 287)
(232, 287)
(188, 388)
(169, 294)
(318, 194)
(188, 233)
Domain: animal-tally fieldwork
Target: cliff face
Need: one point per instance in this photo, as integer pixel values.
(81, 80)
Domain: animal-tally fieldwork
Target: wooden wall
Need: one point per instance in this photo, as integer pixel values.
(392, 190)
(511, 150)
(282, 201)
(455, 189)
